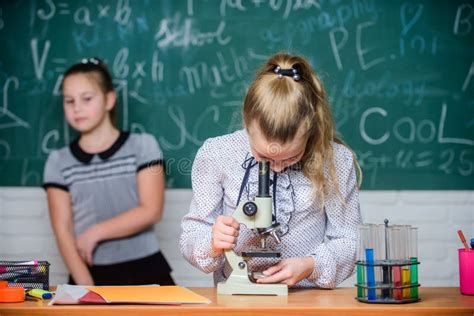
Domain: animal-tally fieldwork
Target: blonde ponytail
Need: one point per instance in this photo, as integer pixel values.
(281, 105)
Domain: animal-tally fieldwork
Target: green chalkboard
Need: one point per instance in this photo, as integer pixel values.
(400, 76)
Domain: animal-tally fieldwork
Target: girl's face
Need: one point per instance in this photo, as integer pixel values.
(86, 106)
(279, 155)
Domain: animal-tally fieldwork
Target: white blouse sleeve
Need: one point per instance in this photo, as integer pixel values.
(206, 205)
(335, 258)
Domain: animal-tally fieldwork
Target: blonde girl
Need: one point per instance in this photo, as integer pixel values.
(315, 191)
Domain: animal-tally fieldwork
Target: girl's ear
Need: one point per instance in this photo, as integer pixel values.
(111, 99)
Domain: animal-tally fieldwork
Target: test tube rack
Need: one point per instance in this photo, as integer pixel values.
(387, 265)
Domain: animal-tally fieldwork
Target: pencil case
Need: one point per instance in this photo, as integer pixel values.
(26, 274)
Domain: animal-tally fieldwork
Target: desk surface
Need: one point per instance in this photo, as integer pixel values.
(434, 301)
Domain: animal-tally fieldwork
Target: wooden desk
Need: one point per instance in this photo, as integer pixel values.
(434, 301)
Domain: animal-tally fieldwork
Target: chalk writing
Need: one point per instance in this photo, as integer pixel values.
(85, 15)
(398, 74)
(7, 118)
(469, 75)
(5, 149)
(39, 62)
(177, 115)
(464, 19)
(30, 177)
(46, 14)
(176, 32)
(407, 131)
(216, 74)
(286, 6)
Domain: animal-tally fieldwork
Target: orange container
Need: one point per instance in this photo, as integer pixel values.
(12, 294)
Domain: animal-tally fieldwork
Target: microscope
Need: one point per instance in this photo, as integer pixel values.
(257, 216)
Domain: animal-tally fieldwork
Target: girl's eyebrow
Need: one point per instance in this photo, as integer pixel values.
(87, 92)
(82, 93)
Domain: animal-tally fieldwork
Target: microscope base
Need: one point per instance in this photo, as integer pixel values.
(249, 288)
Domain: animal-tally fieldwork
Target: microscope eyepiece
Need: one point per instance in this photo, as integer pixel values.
(263, 179)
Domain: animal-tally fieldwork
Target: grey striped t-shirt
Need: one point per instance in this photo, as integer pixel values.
(104, 185)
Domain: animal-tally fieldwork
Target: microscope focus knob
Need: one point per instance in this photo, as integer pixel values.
(250, 208)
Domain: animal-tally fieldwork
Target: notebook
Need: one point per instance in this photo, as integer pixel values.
(137, 294)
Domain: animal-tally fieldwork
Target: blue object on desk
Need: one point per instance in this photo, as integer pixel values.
(369, 259)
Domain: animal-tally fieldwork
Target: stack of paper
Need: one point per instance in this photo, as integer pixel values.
(141, 294)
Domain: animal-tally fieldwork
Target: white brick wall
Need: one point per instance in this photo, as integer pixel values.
(25, 231)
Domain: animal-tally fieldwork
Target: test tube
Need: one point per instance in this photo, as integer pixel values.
(386, 279)
(361, 241)
(389, 254)
(394, 233)
(413, 253)
(369, 259)
(378, 238)
(381, 242)
(405, 235)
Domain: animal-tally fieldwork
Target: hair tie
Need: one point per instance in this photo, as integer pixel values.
(291, 72)
(91, 60)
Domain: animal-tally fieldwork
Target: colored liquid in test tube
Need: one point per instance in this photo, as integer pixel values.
(369, 259)
(404, 230)
(394, 233)
(406, 281)
(361, 241)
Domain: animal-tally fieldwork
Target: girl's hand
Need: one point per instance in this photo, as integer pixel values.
(289, 271)
(224, 233)
(86, 243)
